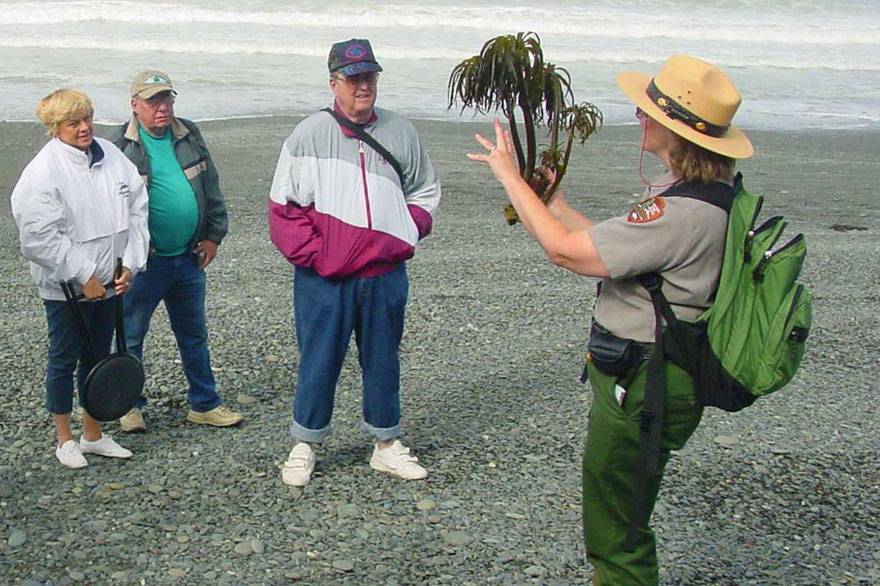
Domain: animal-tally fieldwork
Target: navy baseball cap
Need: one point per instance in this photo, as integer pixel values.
(352, 57)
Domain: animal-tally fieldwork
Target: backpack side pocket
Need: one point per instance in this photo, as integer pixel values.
(786, 342)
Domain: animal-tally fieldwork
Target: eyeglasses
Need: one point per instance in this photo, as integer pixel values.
(158, 100)
(640, 114)
(369, 78)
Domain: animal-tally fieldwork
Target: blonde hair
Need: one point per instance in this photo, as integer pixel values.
(63, 105)
(693, 163)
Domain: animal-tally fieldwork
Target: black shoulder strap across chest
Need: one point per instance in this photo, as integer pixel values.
(377, 146)
(717, 193)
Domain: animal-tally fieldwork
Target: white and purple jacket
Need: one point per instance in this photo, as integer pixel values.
(337, 207)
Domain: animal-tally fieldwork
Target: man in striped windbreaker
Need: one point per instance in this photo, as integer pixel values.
(347, 220)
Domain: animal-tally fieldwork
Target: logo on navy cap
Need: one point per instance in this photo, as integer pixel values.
(355, 51)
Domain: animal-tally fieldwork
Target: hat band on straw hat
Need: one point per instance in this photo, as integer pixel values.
(676, 111)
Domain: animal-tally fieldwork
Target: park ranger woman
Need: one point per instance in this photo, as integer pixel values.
(685, 113)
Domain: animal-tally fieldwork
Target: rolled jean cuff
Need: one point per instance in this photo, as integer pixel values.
(60, 407)
(382, 434)
(305, 434)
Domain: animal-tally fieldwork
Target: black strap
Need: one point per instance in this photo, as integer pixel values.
(653, 412)
(676, 111)
(717, 193)
(377, 146)
(80, 320)
(721, 195)
(120, 328)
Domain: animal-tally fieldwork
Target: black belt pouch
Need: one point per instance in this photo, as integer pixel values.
(611, 354)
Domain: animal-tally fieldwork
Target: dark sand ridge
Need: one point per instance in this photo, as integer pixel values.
(785, 492)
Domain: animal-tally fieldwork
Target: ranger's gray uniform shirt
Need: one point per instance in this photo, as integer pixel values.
(681, 238)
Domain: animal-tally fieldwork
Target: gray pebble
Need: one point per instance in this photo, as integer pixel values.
(457, 538)
(343, 565)
(117, 538)
(535, 571)
(347, 510)
(244, 399)
(17, 538)
(257, 546)
(726, 441)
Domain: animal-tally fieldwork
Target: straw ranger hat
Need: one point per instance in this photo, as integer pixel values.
(693, 99)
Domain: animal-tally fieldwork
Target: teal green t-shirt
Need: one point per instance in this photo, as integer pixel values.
(174, 212)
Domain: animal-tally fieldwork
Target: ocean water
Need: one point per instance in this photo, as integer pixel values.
(798, 63)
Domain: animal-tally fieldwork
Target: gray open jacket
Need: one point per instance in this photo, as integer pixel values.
(194, 159)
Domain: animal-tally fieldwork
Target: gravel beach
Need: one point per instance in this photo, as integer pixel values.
(785, 492)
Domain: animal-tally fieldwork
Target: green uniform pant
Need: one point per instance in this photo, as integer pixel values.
(609, 467)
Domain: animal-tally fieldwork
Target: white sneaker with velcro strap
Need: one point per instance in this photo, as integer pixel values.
(300, 464)
(397, 461)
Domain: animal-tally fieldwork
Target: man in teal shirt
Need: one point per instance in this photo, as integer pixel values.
(174, 213)
(187, 221)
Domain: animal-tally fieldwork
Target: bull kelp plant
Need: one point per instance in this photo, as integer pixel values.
(510, 75)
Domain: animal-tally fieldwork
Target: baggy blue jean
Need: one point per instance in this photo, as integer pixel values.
(181, 284)
(326, 312)
(67, 350)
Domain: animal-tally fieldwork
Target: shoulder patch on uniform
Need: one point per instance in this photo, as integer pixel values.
(647, 211)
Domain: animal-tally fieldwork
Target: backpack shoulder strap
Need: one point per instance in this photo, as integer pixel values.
(721, 195)
(717, 193)
(653, 412)
(377, 146)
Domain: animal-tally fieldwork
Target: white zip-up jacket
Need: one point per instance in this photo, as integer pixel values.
(77, 212)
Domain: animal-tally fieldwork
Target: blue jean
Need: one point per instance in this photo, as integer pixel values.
(67, 351)
(327, 311)
(180, 283)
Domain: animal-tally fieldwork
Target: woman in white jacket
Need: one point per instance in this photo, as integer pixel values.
(79, 205)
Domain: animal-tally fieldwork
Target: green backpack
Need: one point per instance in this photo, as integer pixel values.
(749, 343)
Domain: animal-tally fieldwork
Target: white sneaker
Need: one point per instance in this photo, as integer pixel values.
(105, 446)
(397, 461)
(70, 455)
(300, 464)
